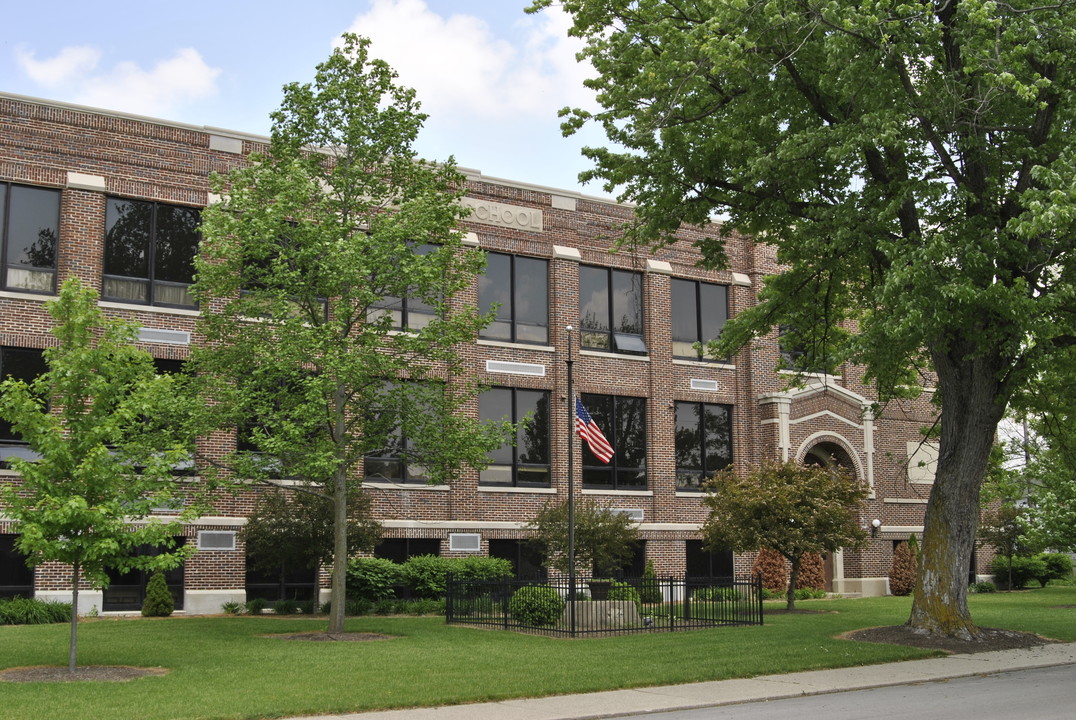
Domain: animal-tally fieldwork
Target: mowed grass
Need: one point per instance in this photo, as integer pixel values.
(232, 667)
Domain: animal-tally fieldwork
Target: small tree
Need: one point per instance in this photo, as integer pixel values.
(109, 432)
(604, 538)
(294, 528)
(793, 509)
(1005, 528)
(902, 570)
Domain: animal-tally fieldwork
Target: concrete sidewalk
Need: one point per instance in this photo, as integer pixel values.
(728, 692)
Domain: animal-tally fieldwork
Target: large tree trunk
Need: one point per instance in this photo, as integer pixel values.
(970, 414)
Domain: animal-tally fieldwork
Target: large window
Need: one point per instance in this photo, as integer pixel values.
(149, 252)
(527, 557)
(611, 310)
(409, 312)
(29, 226)
(20, 364)
(284, 582)
(623, 422)
(401, 404)
(400, 550)
(702, 562)
(699, 311)
(703, 442)
(519, 287)
(16, 577)
(526, 462)
(127, 590)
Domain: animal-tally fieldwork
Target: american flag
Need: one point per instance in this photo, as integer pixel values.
(587, 429)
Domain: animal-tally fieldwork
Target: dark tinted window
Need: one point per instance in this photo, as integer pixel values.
(29, 227)
(623, 422)
(703, 442)
(149, 252)
(611, 310)
(699, 312)
(519, 287)
(20, 364)
(527, 462)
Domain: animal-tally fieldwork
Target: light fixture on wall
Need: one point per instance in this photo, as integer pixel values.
(875, 524)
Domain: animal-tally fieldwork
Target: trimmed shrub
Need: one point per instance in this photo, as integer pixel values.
(158, 602)
(1058, 566)
(983, 587)
(717, 594)
(286, 606)
(902, 570)
(536, 605)
(1022, 571)
(257, 606)
(425, 575)
(372, 578)
(649, 590)
(29, 611)
(812, 572)
(771, 565)
(480, 568)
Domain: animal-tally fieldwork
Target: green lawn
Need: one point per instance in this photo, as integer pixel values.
(226, 667)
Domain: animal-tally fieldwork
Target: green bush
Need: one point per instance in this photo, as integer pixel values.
(623, 591)
(286, 606)
(717, 594)
(649, 590)
(801, 594)
(983, 587)
(536, 605)
(257, 606)
(1023, 571)
(29, 611)
(158, 602)
(1058, 566)
(372, 578)
(425, 575)
(232, 608)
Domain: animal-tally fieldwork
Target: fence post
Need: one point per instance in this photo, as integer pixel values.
(448, 598)
(758, 594)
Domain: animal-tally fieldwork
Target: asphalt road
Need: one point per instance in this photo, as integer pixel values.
(1038, 694)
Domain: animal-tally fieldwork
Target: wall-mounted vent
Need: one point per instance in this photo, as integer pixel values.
(708, 385)
(635, 514)
(515, 368)
(168, 337)
(465, 542)
(216, 540)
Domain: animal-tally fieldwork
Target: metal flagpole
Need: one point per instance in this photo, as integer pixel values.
(571, 487)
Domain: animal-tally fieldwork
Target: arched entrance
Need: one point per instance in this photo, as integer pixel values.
(828, 454)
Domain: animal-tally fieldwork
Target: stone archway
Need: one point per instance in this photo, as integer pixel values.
(832, 455)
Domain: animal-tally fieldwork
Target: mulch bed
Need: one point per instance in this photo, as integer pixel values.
(989, 639)
(322, 636)
(91, 673)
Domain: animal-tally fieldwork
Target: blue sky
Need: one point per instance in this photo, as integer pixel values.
(491, 77)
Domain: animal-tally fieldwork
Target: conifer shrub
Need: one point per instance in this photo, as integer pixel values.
(902, 570)
(771, 565)
(649, 590)
(158, 602)
(812, 572)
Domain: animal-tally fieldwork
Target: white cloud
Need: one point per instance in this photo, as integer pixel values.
(68, 66)
(127, 87)
(464, 70)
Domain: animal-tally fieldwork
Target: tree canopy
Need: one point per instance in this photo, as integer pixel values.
(331, 267)
(109, 433)
(791, 508)
(912, 164)
(604, 538)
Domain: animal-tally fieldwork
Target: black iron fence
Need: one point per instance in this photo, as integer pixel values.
(604, 606)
